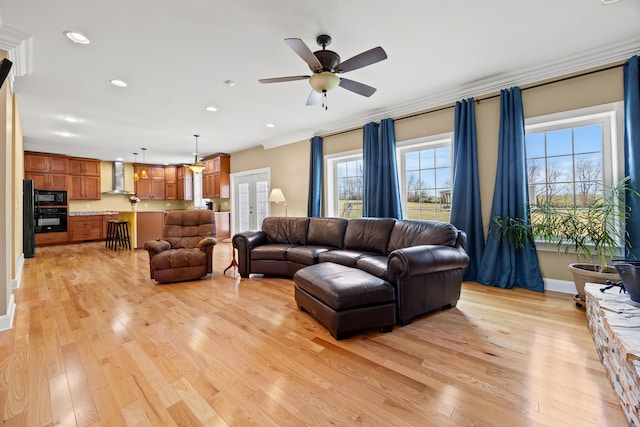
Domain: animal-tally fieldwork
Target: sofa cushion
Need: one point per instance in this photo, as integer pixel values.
(343, 257)
(407, 233)
(275, 252)
(327, 231)
(286, 230)
(306, 254)
(368, 234)
(374, 264)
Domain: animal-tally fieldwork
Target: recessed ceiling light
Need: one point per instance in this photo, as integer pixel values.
(211, 108)
(65, 134)
(609, 1)
(70, 119)
(230, 83)
(120, 159)
(270, 125)
(118, 83)
(76, 37)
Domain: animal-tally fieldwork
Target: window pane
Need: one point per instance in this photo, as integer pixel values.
(412, 161)
(427, 182)
(588, 138)
(426, 159)
(349, 187)
(534, 145)
(565, 166)
(559, 142)
(536, 171)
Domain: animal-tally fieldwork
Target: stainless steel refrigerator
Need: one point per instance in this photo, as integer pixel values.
(28, 219)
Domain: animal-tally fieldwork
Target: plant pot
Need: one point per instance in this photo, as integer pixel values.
(584, 272)
(630, 274)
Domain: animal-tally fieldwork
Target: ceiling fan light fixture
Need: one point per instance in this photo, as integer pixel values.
(324, 82)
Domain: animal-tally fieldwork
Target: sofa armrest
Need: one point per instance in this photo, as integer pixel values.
(206, 242)
(244, 242)
(249, 239)
(156, 246)
(415, 260)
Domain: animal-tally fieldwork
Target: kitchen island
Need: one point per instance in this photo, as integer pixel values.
(92, 226)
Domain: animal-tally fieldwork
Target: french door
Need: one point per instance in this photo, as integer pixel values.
(250, 200)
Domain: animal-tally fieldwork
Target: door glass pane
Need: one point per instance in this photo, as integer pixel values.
(244, 207)
(262, 202)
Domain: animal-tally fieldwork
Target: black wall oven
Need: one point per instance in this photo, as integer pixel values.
(51, 197)
(50, 220)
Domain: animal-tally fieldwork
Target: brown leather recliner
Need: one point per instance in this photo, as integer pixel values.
(185, 251)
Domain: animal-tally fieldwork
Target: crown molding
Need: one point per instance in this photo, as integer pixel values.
(583, 61)
(19, 48)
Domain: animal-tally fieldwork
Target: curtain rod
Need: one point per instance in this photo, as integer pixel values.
(495, 95)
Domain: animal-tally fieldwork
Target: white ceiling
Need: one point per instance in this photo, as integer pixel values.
(176, 56)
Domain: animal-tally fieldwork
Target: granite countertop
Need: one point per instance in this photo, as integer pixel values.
(90, 213)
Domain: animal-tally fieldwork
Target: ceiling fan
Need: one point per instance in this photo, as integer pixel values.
(325, 65)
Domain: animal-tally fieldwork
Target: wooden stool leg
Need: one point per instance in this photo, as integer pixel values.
(125, 235)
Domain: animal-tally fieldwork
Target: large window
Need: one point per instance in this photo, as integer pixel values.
(425, 178)
(571, 157)
(424, 167)
(345, 184)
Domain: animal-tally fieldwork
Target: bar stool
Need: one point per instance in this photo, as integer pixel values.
(118, 232)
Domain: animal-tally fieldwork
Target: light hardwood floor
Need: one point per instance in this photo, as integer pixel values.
(96, 342)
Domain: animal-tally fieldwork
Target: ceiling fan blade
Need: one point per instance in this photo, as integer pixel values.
(369, 57)
(305, 53)
(357, 87)
(314, 98)
(283, 79)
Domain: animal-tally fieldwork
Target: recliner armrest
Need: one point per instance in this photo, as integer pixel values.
(157, 246)
(415, 260)
(206, 242)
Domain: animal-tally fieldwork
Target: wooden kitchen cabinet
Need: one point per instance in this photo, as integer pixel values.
(44, 239)
(151, 187)
(149, 226)
(84, 187)
(89, 167)
(170, 183)
(215, 177)
(50, 163)
(223, 225)
(48, 171)
(185, 183)
(85, 227)
(48, 181)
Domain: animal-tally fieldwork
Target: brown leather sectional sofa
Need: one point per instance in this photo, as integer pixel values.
(422, 260)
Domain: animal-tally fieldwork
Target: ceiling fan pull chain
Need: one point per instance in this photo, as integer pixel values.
(324, 100)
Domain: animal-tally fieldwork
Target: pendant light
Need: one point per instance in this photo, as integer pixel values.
(197, 165)
(135, 160)
(143, 174)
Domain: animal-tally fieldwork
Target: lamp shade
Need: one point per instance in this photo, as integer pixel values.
(325, 81)
(276, 196)
(197, 167)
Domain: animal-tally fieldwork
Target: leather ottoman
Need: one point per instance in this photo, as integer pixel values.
(345, 299)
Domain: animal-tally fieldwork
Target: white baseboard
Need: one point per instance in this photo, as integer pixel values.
(6, 321)
(15, 283)
(564, 286)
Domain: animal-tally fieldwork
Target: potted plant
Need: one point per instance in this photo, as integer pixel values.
(593, 233)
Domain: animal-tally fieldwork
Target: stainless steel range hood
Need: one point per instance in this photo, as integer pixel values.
(118, 180)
